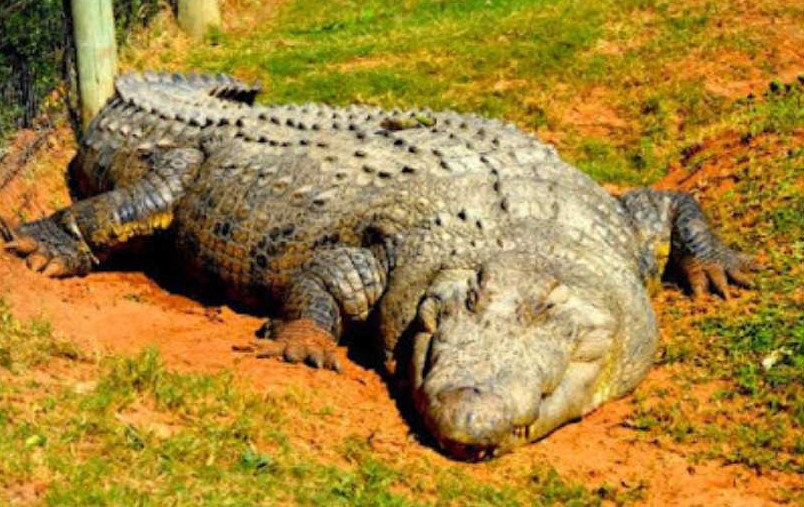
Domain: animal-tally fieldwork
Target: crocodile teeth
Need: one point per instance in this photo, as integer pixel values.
(524, 432)
(428, 315)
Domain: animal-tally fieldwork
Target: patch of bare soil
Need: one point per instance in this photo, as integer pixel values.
(389, 60)
(246, 15)
(712, 167)
(775, 50)
(593, 114)
(122, 312)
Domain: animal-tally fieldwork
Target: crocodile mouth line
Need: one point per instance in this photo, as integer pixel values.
(520, 434)
(469, 452)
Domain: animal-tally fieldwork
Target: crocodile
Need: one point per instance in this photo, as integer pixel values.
(504, 288)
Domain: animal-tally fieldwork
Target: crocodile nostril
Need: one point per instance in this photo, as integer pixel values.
(458, 395)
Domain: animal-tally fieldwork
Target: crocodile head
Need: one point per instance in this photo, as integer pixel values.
(492, 345)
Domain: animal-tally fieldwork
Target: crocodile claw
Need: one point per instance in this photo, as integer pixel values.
(36, 262)
(22, 246)
(55, 269)
(729, 267)
(6, 232)
(47, 248)
(302, 341)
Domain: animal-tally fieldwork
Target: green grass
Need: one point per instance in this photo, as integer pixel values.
(127, 431)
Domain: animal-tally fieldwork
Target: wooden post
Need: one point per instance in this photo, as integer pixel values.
(96, 50)
(198, 16)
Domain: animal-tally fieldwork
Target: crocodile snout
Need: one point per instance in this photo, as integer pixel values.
(469, 421)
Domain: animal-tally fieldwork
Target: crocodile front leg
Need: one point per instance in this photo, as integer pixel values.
(336, 285)
(675, 218)
(66, 243)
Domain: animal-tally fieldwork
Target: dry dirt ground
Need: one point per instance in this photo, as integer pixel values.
(123, 311)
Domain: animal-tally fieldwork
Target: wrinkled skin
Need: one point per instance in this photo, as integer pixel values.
(485, 386)
(520, 280)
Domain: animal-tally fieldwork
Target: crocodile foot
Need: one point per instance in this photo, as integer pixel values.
(716, 273)
(48, 248)
(302, 341)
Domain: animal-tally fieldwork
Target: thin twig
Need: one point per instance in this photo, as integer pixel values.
(14, 7)
(12, 169)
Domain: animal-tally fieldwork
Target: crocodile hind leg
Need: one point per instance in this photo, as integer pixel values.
(68, 242)
(336, 285)
(675, 218)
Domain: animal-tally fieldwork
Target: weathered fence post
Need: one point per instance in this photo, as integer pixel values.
(96, 51)
(197, 16)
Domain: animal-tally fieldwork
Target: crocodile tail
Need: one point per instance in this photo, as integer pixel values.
(154, 111)
(201, 99)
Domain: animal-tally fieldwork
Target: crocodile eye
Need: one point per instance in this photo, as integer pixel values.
(543, 307)
(482, 277)
(472, 299)
(531, 312)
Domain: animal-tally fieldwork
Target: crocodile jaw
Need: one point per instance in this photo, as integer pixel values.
(471, 424)
(486, 354)
(473, 417)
